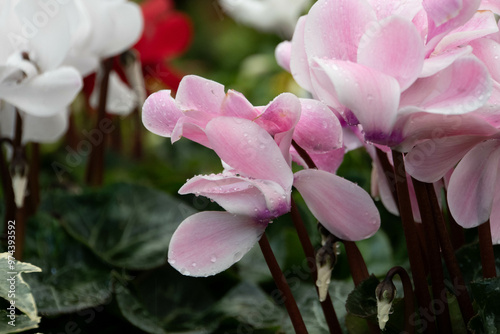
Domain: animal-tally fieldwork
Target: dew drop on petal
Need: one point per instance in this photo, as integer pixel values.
(213, 259)
(237, 256)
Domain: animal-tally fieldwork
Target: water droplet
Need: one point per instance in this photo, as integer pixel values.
(193, 264)
(213, 259)
(171, 261)
(237, 256)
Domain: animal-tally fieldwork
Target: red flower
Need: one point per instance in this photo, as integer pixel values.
(167, 34)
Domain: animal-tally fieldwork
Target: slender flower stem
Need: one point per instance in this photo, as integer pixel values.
(456, 231)
(450, 259)
(436, 270)
(486, 250)
(412, 243)
(326, 305)
(357, 264)
(33, 198)
(95, 165)
(8, 192)
(409, 297)
(137, 145)
(280, 280)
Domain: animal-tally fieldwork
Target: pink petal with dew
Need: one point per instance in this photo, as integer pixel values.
(299, 62)
(197, 93)
(236, 104)
(472, 185)
(45, 94)
(334, 28)
(318, 129)
(441, 61)
(488, 51)
(249, 149)
(446, 15)
(260, 199)
(441, 11)
(184, 128)
(209, 242)
(460, 88)
(160, 113)
(283, 55)
(431, 160)
(394, 47)
(372, 96)
(281, 114)
(328, 161)
(419, 126)
(385, 8)
(345, 209)
(480, 25)
(495, 215)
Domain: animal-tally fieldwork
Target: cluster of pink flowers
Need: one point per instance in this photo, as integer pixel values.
(419, 77)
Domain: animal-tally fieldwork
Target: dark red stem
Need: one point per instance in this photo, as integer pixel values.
(409, 297)
(436, 269)
(280, 280)
(412, 243)
(450, 259)
(95, 165)
(486, 250)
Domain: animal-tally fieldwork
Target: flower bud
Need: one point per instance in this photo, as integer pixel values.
(385, 293)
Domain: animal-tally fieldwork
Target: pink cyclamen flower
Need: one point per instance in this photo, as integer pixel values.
(383, 63)
(255, 186)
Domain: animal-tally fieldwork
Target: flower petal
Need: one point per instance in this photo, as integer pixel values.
(121, 99)
(46, 27)
(472, 184)
(395, 48)
(160, 114)
(488, 51)
(460, 88)
(371, 95)
(209, 242)
(480, 25)
(344, 208)
(45, 129)
(249, 149)
(334, 28)
(446, 15)
(197, 93)
(429, 162)
(318, 129)
(46, 94)
(283, 55)
(281, 114)
(495, 215)
(299, 64)
(236, 104)
(127, 22)
(260, 199)
(386, 8)
(439, 62)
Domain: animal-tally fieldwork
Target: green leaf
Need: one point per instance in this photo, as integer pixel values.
(72, 278)
(13, 288)
(126, 225)
(135, 313)
(486, 294)
(250, 305)
(22, 323)
(361, 301)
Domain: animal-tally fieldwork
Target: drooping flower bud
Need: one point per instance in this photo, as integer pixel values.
(385, 293)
